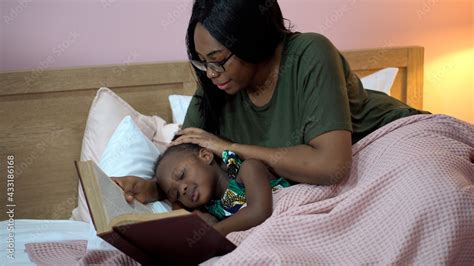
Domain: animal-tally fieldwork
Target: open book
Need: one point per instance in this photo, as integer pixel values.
(176, 237)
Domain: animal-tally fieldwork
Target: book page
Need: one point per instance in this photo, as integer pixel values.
(133, 218)
(113, 198)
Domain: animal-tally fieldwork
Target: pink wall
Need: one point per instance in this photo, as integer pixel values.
(91, 32)
(53, 34)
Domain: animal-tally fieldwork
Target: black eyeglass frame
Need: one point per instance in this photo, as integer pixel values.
(215, 66)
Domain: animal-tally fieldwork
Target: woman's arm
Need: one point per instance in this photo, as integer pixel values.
(326, 160)
(255, 177)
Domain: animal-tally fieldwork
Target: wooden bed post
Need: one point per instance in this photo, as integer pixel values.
(415, 77)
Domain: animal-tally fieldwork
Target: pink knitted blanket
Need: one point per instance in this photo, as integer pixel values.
(74, 253)
(409, 200)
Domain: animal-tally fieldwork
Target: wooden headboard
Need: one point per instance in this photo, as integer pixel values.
(43, 115)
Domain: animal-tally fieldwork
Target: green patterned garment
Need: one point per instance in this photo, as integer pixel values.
(234, 197)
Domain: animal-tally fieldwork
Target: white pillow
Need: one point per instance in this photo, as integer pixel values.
(179, 105)
(106, 112)
(381, 80)
(130, 152)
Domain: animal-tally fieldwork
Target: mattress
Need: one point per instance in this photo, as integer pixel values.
(29, 231)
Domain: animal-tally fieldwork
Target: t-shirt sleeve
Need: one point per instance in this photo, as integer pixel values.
(325, 102)
(193, 115)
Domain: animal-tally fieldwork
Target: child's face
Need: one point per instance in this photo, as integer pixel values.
(188, 177)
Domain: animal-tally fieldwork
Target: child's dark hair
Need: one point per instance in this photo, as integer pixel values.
(184, 147)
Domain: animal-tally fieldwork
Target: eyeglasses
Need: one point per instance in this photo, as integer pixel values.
(215, 66)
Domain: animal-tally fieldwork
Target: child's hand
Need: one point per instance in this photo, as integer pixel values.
(138, 188)
(209, 219)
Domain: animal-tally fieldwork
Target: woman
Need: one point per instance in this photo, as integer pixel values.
(288, 99)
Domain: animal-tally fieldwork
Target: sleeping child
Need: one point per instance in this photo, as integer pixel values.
(238, 194)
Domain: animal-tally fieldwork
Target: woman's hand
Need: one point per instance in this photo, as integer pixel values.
(201, 138)
(209, 219)
(135, 187)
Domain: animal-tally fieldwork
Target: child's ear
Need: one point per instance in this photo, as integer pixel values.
(206, 155)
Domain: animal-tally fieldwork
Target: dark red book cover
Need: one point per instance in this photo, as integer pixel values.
(182, 240)
(116, 240)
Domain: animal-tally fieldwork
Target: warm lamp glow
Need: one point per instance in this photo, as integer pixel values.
(449, 86)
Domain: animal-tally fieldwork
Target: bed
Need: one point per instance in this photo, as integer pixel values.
(43, 115)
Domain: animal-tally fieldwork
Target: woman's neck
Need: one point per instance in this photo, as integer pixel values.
(265, 73)
(266, 79)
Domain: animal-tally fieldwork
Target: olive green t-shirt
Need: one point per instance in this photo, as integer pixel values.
(316, 92)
